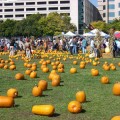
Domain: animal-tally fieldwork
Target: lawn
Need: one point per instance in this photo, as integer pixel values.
(101, 104)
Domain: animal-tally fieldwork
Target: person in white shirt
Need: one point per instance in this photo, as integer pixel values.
(92, 46)
(71, 45)
(107, 43)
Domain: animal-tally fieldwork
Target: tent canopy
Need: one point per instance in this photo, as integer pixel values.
(70, 34)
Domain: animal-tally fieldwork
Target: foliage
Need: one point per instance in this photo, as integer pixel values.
(37, 25)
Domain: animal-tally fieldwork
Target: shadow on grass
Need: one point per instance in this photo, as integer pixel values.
(55, 115)
(61, 85)
(43, 95)
(61, 81)
(49, 89)
(87, 101)
(18, 97)
(83, 111)
(16, 105)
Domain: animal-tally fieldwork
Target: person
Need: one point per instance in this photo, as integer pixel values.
(12, 47)
(74, 45)
(28, 48)
(107, 43)
(92, 46)
(84, 45)
(71, 46)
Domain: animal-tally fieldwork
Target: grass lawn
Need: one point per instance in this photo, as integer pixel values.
(101, 104)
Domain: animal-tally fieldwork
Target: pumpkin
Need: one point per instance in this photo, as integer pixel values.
(104, 80)
(74, 62)
(6, 67)
(57, 63)
(34, 64)
(36, 91)
(33, 74)
(6, 102)
(27, 72)
(80, 96)
(12, 92)
(61, 65)
(45, 110)
(1, 65)
(113, 67)
(74, 107)
(73, 70)
(56, 76)
(54, 67)
(19, 76)
(119, 64)
(45, 69)
(82, 66)
(60, 70)
(55, 82)
(48, 61)
(107, 67)
(33, 68)
(43, 84)
(12, 67)
(116, 118)
(44, 63)
(25, 64)
(12, 63)
(43, 66)
(94, 72)
(29, 65)
(94, 63)
(116, 89)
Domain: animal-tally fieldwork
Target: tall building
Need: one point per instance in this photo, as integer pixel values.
(109, 9)
(80, 11)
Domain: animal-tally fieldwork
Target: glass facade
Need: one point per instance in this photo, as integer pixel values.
(111, 14)
(111, 6)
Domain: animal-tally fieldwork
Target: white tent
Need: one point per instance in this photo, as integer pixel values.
(101, 33)
(89, 34)
(70, 34)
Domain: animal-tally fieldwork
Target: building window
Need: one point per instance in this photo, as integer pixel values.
(119, 13)
(118, 4)
(104, 7)
(0, 16)
(0, 10)
(0, 4)
(64, 14)
(64, 2)
(41, 3)
(8, 4)
(53, 8)
(40, 9)
(104, 15)
(8, 10)
(19, 9)
(104, 0)
(64, 8)
(53, 2)
(20, 15)
(8, 16)
(111, 0)
(30, 9)
(30, 3)
(111, 14)
(17, 4)
(111, 6)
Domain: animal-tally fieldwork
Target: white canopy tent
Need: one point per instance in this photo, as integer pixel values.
(89, 34)
(70, 34)
(101, 32)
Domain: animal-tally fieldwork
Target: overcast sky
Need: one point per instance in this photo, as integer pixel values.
(94, 2)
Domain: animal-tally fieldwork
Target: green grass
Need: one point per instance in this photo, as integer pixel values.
(101, 104)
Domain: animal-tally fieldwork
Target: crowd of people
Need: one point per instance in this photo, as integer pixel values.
(73, 45)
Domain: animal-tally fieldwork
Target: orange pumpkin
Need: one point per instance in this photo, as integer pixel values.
(33, 74)
(80, 96)
(45, 70)
(113, 67)
(94, 72)
(6, 67)
(55, 82)
(25, 64)
(29, 65)
(73, 70)
(33, 68)
(116, 89)
(104, 80)
(54, 67)
(61, 65)
(1, 65)
(74, 107)
(116, 118)
(45, 110)
(12, 92)
(19, 76)
(43, 84)
(36, 91)
(27, 72)
(82, 66)
(6, 102)
(60, 70)
(119, 64)
(12, 67)
(74, 62)
(107, 67)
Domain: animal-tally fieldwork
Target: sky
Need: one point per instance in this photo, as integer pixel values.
(94, 2)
